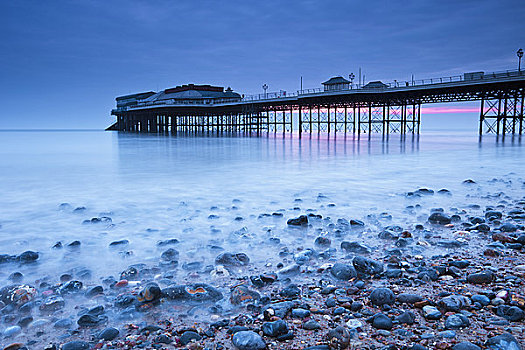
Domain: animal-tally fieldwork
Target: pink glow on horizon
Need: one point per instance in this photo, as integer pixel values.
(441, 110)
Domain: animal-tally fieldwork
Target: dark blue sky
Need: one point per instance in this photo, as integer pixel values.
(63, 62)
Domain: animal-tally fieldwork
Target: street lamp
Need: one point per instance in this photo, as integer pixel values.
(351, 76)
(265, 87)
(520, 55)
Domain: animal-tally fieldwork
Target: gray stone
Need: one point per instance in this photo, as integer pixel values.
(382, 296)
(248, 340)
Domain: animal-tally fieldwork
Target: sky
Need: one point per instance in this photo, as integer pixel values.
(64, 62)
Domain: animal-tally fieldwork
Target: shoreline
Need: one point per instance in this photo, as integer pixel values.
(320, 295)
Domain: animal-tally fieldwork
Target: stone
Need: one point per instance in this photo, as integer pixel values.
(511, 313)
(454, 303)
(504, 341)
(170, 255)
(63, 323)
(343, 272)
(232, 259)
(366, 267)
(355, 247)
(28, 257)
(381, 321)
(88, 320)
(300, 313)
(482, 299)
(150, 293)
(70, 287)
(119, 243)
(338, 338)
(439, 219)
(431, 313)
(76, 345)
(94, 291)
(456, 321)
(189, 336)
(323, 242)
(52, 303)
(466, 346)
(407, 317)
(197, 292)
(12, 331)
(108, 334)
(248, 340)
(275, 329)
(299, 221)
(407, 298)
(311, 325)
(482, 277)
(242, 294)
(290, 292)
(382, 296)
(280, 309)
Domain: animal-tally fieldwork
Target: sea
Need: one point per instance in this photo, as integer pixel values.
(226, 192)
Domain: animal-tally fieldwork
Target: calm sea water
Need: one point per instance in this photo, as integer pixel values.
(196, 189)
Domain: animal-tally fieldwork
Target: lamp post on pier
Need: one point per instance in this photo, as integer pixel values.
(265, 87)
(519, 53)
(351, 76)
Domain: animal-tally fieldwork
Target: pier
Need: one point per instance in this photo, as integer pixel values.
(339, 107)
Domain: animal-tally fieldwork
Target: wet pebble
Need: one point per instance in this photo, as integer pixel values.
(248, 340)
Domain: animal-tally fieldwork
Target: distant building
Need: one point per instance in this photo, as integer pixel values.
(375, 85)
(336, 83)
(195, 94)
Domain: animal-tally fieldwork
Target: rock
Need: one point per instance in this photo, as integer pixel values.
(355, 247)
(431, 313)
(12, 331)
(290, 292)
(231, 260)
(456, 321)
(381, 321)
(311, 325)
(248, 340)
(88, 320)
(242, 294)
(76, 345)
(52, 303)
(304, 256)
(482, 299)
(280, 309)
(188, 337)
(454, 303)
(338, 338)
(343, 272)
(130, 274)
(275, 329)
(162, 339)
(299, 221)
(511, 313)
(407, 298)
(94, 291)
(63, 323)
(482, 277)
(28, 257)
(198, 292)
(382, 296)
(17, 294)
(366, 267)
(150, 293)
(170, 255)
(439, 219)
(504, 341)
(122, 242)
(407, 317)
(493, 214)
(466, 346)
(300, 313)
(323, 242)
(508, 227)
(108, 334)
(166, 242)
(289, 270)
(70, 287)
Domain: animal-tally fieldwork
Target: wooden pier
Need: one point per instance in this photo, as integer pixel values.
(342, 108)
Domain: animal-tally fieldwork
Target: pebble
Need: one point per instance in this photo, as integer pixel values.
(248, 340)
(108, 334)
(466, 346)
(381, 321)
(456, 321)
(76, 345)
(12, 331)
(431, 313)
(275, 329)
(311, 325)
(382, 296)
(188, 337)
(343, 272)
(482, 277)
